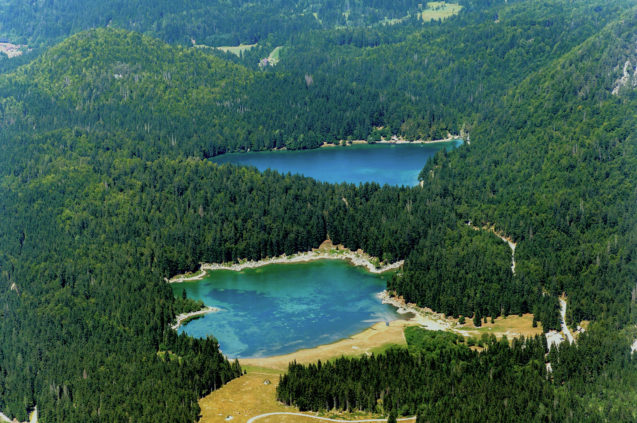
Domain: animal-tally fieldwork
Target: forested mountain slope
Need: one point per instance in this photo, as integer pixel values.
(555, 169)
(215, 23)
(105, 190)
(411, 81)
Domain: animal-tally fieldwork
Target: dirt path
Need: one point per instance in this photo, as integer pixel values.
(325, 419)
(565, 329)
(4, 418)
(506, 239)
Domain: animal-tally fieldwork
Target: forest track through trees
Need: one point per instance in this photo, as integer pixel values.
(506, 239)
(325, 419)
(565, 329)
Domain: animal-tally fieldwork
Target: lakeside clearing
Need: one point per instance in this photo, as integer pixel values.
(254, 394)
(326, 251)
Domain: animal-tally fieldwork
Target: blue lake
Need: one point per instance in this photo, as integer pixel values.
(281, 308)
(392, 164)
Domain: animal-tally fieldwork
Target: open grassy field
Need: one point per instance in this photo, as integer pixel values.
(439, 10)
(434, 10)
(243, 398)
(251, 395)
(274, 56)
(236, 50)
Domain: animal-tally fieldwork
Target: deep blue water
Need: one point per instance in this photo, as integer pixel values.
(281, 308)
(392, 164)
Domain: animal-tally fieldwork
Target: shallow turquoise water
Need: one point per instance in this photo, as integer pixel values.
(392, 164)
(281, 308)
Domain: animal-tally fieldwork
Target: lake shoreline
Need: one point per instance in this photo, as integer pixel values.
(393, 140)
(184, 318)
(326, 251)
(377, 335)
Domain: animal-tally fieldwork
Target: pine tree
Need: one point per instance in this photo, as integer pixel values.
(477, 322)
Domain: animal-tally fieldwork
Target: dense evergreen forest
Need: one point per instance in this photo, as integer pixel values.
(105, 190)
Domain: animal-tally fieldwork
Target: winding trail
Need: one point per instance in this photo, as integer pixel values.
(508, 240)
(325, 419)
(565, 328)
(4, 418)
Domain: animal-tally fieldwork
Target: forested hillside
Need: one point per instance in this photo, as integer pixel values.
(555, 170)
(105, 190)
(416, 82)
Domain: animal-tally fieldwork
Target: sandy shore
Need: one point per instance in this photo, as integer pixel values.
(181, 318)
(364, 342)
(424, 317)
(326, 251)
(380, 334)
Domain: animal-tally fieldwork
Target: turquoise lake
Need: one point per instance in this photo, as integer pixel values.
(281, 308)
(392, 164)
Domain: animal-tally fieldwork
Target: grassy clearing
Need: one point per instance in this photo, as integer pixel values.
(439, 10)
(236, 50)
(434, 10)
(242, 398)
(274, 56)
(250, 395)
(512, 326)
